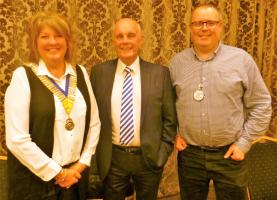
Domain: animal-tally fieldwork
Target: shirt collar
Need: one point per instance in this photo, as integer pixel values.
(42, 70)
(134, 66)
(211, 57)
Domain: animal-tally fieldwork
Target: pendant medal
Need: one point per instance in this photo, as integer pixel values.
(198, 95)
(66, 95)
(69, 124)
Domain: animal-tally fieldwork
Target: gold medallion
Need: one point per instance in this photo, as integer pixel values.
(69, 124)
(66, 96)
(198, 95)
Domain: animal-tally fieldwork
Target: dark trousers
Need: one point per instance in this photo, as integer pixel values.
(64, 194)
(78, 191)
(196, 167)
(126, 166)
(33, 188)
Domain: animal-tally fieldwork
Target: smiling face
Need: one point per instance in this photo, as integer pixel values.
(50, 38)
(206, 37)
(127, 40)
(51, 45)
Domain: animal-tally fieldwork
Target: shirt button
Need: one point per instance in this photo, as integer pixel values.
(204, 78)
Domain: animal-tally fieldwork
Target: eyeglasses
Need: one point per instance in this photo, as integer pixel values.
(200, 24)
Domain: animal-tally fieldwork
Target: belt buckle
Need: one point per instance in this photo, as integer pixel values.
(128, 150)
(133, 150)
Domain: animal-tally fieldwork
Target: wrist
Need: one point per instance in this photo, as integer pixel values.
(78, 167)
(61, 175)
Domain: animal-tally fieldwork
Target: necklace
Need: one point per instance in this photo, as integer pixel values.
(67, 96)
(198, 94)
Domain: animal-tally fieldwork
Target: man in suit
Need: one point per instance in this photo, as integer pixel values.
(140, 152)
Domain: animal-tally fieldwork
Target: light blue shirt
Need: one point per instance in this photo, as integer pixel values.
(236, 107)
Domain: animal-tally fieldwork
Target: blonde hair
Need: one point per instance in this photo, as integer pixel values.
(56, 22)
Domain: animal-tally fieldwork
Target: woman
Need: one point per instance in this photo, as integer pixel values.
(52, 129)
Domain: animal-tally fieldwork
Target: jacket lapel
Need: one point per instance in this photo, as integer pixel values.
(145, 88)
(108, 86)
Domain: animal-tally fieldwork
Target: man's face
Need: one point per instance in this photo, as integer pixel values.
(205, 28)
(127, 40)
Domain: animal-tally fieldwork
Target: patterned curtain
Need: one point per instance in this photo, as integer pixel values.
(249, 24)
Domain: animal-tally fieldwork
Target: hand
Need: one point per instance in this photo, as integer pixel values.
(67, 177)
(235, 153)
(180, 143)
(79, 167)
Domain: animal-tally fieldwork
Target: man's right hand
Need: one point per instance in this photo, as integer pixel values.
(180, 143)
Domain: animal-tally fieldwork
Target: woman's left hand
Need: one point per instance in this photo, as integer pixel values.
(78, 167)
(71, 177)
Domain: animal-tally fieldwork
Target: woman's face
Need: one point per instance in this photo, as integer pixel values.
(51, 45)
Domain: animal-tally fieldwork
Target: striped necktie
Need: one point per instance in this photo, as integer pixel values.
(127, 112)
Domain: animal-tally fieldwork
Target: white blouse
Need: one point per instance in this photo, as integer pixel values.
(67, 144)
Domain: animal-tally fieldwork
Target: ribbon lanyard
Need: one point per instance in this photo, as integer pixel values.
(67, 96)
(65, 92)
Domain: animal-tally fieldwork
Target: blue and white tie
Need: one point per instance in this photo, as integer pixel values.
(127, 112)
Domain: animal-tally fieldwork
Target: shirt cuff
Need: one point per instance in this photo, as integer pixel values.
(50, 171)
(85, 158)
(243, 145)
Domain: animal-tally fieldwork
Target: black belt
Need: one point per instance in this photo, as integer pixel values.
(210, 149)
(131, 150)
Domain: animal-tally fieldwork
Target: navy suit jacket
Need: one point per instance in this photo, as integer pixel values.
(158, 114)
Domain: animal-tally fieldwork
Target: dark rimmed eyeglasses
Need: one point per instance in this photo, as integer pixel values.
(200, 24)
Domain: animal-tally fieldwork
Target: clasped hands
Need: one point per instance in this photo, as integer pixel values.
(69, 176)
(233, 152)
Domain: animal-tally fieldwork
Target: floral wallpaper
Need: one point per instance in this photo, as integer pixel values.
(249, 24)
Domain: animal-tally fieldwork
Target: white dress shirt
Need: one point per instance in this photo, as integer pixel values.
(67, 144)
(116, 101)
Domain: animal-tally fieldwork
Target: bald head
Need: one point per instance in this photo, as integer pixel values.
(127, 40)
(129, 21)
